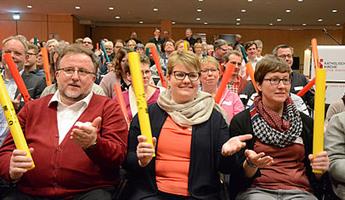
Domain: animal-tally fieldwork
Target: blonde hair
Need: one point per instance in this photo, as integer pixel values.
(181, 41)
(186, 58)
(209, 59)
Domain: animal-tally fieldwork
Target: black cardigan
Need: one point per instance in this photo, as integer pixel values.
(205, 159)
(241, 124)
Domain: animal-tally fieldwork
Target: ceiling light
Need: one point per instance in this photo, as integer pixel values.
(304, 24)
(250, 0)
(117, 17)
(198, 10)
(141, 22)
(238, 19)
(300, 0)
(205, 23)
(16, 16)
(271, 24)
(334, 11)
(337, 24)
(238, 23)
(173, 22)
(288, 10)
(197, 19)
(320, 20)
(29, 6)
(77, 7)
(243, 10)
(279, 20)
(111, 8)
(200, 0)
(155, 9)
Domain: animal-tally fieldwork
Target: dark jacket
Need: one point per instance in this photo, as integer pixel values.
(241, 124)
(205, 159)
(34, 83)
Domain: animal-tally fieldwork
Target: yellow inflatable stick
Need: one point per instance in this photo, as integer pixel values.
(138, 86)
(319, 112)
(12, 120)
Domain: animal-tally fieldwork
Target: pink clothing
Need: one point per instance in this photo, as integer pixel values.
(231, 103)
(63, 170)
(152, 100)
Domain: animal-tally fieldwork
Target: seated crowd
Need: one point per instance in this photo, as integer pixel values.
(253, 143)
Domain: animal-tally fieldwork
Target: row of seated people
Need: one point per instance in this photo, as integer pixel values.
(79, 140)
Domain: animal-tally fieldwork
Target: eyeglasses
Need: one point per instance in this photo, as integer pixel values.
(69, 71)
(223, 49)
(209, 70)
(193, 76)
(285, 56)
(276, 81)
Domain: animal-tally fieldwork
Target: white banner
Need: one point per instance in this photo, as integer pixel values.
(332, 58)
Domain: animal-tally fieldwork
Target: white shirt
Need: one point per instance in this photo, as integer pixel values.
(67, 116)
(11, 89)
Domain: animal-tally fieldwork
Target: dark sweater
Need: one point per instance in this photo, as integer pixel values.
(205, 159)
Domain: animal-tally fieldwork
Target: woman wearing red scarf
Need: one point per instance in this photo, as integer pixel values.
(277, 162)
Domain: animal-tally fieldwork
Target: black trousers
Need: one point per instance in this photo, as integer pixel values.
(103, 194)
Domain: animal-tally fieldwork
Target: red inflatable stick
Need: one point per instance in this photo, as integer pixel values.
(119, 96)
(230, 68)
(17, 78)
(46, 65)
(156, 56)
(250, 71)
(306, 88)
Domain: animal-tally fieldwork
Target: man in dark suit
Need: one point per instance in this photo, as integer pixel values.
(157, 40)
(189, 37)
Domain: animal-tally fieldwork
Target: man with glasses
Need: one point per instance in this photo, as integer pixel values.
(77, 139)
(298, 81)
(221, 47)
(18, 48)
(30, 65)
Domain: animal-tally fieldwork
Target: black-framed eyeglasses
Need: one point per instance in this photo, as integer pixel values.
(69, 71)
(276, 81)
(285, 56)
(209, 70)
(223, 49)
(193, 76)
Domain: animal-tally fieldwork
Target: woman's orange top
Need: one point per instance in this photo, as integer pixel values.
(173, 158)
